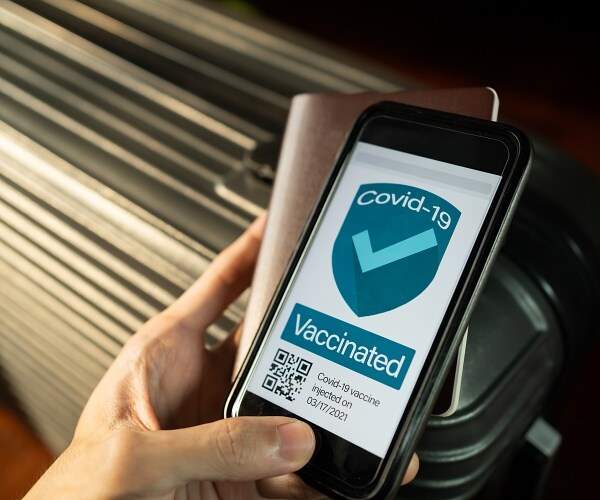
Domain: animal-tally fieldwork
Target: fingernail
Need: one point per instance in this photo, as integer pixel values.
(296, 441)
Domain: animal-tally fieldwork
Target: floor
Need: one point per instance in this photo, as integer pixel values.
(23, 458)
(541, 66)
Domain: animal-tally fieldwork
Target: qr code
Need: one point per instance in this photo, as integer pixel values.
(286, 374)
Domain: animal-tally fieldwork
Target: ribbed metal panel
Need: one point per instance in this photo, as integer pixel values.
(137, 139)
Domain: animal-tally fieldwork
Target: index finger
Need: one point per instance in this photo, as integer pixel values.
(228, 275)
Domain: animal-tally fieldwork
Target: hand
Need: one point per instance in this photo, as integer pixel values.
(152, 428)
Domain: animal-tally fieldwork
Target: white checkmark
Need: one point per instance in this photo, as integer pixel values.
(370, 260)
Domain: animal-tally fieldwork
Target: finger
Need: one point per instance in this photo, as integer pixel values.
(413, 468)
(288, 486)
(228, 275)
(218, 362)
(233, 449)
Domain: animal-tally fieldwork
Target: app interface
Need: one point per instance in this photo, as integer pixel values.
(360, 314)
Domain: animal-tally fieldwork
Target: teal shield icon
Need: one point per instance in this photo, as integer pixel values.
(390, 246)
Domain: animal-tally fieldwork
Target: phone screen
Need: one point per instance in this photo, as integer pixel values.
(358, 316)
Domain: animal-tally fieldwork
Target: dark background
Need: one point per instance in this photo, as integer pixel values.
(541, 58)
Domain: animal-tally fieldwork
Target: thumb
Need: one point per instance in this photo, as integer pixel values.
(233, 449)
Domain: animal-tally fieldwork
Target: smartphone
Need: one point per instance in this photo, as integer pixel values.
(367, 319)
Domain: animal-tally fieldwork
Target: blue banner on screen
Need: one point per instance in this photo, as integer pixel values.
(357, 349)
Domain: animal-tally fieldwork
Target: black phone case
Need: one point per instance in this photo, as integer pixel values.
(402, 449)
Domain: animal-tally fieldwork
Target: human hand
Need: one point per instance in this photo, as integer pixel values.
(152, 428)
